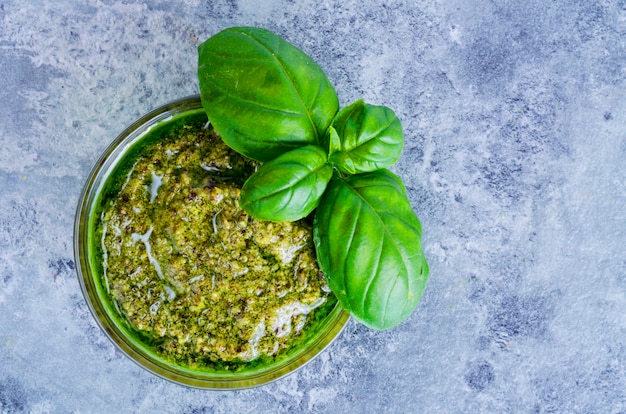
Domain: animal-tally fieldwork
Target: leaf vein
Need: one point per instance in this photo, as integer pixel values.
(291, 185)
(383, 225)
(349, 244)
(283, 67)
(375, 274)
(248, 102)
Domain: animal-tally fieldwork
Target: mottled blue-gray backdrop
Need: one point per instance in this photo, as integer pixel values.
(514, 115)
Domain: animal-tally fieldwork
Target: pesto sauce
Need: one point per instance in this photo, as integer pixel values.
(197, 279)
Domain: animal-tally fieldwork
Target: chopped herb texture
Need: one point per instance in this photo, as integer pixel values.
(193, 274)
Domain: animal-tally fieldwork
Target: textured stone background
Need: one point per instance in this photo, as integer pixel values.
(515, 124)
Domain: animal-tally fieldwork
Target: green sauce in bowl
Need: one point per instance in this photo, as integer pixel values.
(181, 279)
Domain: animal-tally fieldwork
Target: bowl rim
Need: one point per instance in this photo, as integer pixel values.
(139, 353)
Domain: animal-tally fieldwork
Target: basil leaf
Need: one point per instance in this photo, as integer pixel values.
(370, 136)
(368, 242)
(334, 142)
(263, 95)
(289, 187)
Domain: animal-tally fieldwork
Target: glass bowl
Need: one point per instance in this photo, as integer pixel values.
(104, 310)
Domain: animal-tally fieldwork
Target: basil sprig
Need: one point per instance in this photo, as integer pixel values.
(271, 102)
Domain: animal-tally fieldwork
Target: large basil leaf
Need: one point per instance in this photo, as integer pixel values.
(368, 242)
(263, 95)
(289, 187)
(364, 138)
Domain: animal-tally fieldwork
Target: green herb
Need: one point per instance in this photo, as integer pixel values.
(364, 138)
(263, 95)
(368, 243)
(289, 187)
(271, 102)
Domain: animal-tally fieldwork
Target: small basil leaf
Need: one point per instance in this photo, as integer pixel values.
(334, 142)
(371, 138)
(368, 242)
(289, 187)
(263, 95)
